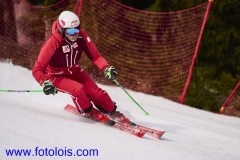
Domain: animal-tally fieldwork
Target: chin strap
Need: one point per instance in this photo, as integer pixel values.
(69, 40)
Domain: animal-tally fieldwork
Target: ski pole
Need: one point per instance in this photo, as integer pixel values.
(130, 96)
(21, 90)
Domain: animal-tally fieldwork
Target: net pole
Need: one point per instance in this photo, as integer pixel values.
(182, 98)
(80, 8)
(228, 99)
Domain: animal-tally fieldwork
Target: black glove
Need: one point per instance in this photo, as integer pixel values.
(49, 88)
(110, 73)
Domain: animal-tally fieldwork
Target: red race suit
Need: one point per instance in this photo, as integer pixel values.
(58, 61)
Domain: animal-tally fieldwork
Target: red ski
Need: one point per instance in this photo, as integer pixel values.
(129, 129)
(149, 131)
(126, 128)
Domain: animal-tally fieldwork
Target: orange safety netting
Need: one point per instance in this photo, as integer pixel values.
(152, 52)
(25, 27)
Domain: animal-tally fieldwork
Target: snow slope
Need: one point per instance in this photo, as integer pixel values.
(30, 120)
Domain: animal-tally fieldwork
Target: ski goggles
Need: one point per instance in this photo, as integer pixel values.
(72, 31)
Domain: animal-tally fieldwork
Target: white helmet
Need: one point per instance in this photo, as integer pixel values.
(68, 19)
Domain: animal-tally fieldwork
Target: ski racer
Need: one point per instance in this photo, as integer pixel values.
(57, 68)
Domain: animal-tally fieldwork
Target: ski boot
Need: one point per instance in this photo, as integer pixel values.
(119, 117)
(99, 116)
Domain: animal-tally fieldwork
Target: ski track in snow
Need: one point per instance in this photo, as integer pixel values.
(30, 120)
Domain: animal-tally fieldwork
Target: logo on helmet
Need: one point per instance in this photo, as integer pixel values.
(62, 23)
(74, 23)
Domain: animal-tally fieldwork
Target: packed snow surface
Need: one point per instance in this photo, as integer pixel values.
(36, 122)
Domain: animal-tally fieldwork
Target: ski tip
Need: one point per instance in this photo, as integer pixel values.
(147, 114)
(161, 134)
(71, 109)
